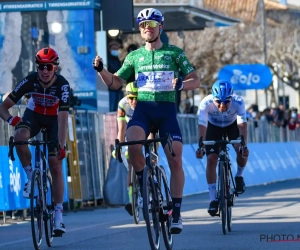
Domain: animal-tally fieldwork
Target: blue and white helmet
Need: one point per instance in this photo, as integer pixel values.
(150, 14)
(222, 90)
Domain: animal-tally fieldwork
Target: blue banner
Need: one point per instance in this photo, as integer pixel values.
(48, 5)
(247, 76)
(268, 162)
(13, 179)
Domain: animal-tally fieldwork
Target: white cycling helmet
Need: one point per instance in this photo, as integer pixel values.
(150, 14)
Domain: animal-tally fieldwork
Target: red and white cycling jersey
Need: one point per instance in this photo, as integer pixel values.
(46, 101)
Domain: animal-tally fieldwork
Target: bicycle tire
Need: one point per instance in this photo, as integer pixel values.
(229, 208)
(166, 209)
(49, 217)
(36, 209)
(223, 200)
(150, 207)
(134, 196)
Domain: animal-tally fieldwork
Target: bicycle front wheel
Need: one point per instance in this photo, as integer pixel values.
(151, 209)
(36, 209)
(222, 192)
(166, 210)
(135, 195)
(49, 215)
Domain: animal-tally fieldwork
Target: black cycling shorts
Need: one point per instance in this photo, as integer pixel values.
(215, 133)
(35, 121)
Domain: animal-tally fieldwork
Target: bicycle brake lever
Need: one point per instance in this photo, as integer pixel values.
(11, 148)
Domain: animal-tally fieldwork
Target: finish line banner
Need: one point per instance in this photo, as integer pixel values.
(10, 6)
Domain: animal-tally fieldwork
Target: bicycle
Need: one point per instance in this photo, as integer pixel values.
(41, 199)
(156, 194)
(225, 195)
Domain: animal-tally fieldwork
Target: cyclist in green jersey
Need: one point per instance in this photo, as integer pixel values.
(156, 67)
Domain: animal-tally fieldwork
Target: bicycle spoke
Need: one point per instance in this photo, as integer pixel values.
(49, 215)
(150, 208)
(135, 196)
(166, 210)
(36, 210)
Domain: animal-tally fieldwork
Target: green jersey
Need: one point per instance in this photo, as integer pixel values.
(154, 71)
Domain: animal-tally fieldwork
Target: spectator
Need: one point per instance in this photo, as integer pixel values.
(113, 65)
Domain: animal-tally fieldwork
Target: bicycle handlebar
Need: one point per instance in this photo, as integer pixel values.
(241, 141)
(13, 143)
(144, 143)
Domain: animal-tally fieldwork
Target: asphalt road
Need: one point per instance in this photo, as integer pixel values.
(264, 217)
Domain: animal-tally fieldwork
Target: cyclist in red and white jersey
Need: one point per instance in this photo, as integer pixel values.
(47, 108)
(222, 112)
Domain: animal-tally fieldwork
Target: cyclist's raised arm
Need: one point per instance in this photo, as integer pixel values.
(191, 81)
(112, 81)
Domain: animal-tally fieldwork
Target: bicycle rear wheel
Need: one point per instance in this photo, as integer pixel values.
(135, 195)
(166, 210)
(150, 207)
(49, 216)
(222, 192)
(36, 209)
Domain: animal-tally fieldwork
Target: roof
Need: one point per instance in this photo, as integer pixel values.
(186, 17)
(242, 9)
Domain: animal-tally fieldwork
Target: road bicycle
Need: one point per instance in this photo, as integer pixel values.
(157, 201)
(225, 194)
(41, 198)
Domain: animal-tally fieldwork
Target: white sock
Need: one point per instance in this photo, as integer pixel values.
(58, 208)
(28, 171)
(240, 171)
(212, 191)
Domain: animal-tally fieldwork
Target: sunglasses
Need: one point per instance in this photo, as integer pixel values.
(132, 98)
(151, 24)
(49, 67)
(223, 101)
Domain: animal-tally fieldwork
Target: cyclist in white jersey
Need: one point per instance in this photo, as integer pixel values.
(125, 111)
(222, 112)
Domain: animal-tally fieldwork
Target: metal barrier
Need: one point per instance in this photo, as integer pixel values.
(97, 132)
(258, 130)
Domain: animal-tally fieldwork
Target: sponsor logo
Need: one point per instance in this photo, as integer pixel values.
(238, 77)
(176, 137)
(141, 59)
(14, 179)
(44, 100)
(21, 84)
(65, 93)
(212, 150)
(156, 66)
(182, 55)
(155, 76)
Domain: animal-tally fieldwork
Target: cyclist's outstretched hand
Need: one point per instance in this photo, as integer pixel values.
(98, 64)
(200, 152)
(177, 84)
(14, 120)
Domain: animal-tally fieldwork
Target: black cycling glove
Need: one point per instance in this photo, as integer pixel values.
(98, 68)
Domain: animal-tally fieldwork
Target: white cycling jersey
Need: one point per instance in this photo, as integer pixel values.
(210, 113)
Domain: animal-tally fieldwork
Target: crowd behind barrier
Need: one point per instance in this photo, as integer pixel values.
(96, 135)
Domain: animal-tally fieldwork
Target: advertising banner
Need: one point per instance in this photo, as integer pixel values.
(13, 179)
(247, 76)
